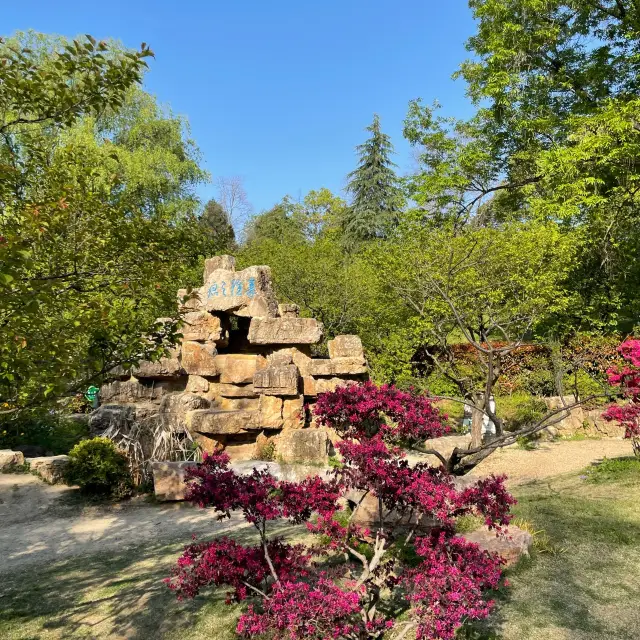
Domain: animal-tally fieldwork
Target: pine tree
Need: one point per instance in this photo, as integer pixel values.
(376, 196)
(215, 221)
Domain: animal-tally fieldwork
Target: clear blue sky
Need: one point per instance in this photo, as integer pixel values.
(279, 92)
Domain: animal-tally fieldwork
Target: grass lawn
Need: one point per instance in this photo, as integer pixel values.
(588, 589)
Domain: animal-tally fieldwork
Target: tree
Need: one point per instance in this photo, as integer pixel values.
(555, 85)
(376, 197)
(97, 216)
(233, 199)
(302, 244)
(483, 286)
(217, 224)
(411, 562)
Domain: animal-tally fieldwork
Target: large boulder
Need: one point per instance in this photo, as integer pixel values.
(224, 263)
(338, 367)
(134, 391)
(169, 479)
(285, 331)
(312, 386)
(300, 356)
(293, 413)
(226, 390)
(10, 459)
(108, 415)
(221, 422)
(239, 368)
(311, 446)
(197, 384)
(199, 359)
(248, 293)
(270, 412)
(164, 368)
(277, 380)
(510, 547)
(201, 326)
(50, 468)
(347, 346)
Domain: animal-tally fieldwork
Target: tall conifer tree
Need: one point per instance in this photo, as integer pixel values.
(376, 196)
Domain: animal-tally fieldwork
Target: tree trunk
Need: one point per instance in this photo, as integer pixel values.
(477, 416)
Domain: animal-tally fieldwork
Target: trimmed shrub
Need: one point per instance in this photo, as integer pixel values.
(99, 468)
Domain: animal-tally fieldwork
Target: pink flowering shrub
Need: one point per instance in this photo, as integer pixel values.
(627, 378)
(355, 582)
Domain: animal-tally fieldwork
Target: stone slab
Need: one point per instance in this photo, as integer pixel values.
(345, 346)
(337, 366)
(221, 422)
(285, 331)
(510, 548)
(277, 380)
(312, 387)
(233, 390)
(311, 446)
(199, 359)
(226, 263)
(50, 468)
(132, 391)
(270, 412)
(9, 458)
(201, 326)
(168, 367)
(293, 413)
(247, 293)
(169, 479)
(239, 368)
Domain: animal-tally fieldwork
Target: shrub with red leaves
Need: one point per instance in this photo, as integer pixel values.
(364, 410)
(627, 377)
(349, 585)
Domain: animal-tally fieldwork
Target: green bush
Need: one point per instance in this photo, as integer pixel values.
(99, 468)
(519, 409)
(48, 429)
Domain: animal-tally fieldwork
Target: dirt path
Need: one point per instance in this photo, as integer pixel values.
(550, 459)
(43, 523)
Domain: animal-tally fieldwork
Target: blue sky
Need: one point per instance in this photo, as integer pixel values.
(279, 92)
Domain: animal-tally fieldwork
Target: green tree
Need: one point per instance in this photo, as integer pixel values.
(97, 216)
(216, 224)
(487, 287)
(555, 84)
(373, 186)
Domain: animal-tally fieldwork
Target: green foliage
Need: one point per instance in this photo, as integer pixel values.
(266, 451)
(50, 430)
(614, 470)
(216, 224)
(468, 523)
(99, 468)
(98, 224)
(520, 409)
(377, 199)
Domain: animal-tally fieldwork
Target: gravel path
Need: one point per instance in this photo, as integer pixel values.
(550, 459)
(43, 523)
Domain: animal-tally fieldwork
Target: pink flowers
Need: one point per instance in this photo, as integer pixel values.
(628, 378)
(289, 595)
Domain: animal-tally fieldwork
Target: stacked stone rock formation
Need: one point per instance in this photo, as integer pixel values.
(243, 371)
